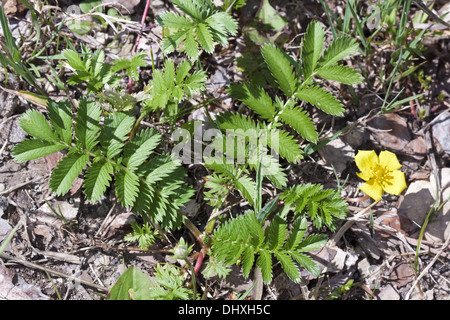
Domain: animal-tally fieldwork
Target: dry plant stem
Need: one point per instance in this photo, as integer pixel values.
(144, 15)
(59, 274)
(19, 186)
(333, 242)
(105, 221)
(437, 197)
(425, 271)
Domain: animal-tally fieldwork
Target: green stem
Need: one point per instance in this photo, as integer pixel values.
(194, 278)
(137, 123)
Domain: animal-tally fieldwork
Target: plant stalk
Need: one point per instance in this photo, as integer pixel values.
(144, 15)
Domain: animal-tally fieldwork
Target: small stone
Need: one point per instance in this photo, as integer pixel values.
(441, 131)
(338, 154)
(388, 293)
(419, 199)
(5, 229)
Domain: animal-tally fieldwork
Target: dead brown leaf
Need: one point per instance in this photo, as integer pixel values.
(391, 131)
(21, 291)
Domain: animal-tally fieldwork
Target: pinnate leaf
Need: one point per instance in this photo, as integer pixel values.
(35, 124)
(87, 123)
(60, 116)
(127, 187)
(322, 99)
(97, 179)
(300, 121)
(31, 149)
(140, 147)
(338, 50)
(173, 20)
(205, 37)
(281, 68)
(255, 98)
(312, 47)
(341, 74)
(114, 133)
(66, 171)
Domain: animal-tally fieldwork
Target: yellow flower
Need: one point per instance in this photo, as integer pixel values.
(380, 173)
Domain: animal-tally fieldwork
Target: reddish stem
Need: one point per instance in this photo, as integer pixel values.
(199, 262)
(144, 15)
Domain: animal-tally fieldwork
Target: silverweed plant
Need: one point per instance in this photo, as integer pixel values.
(104, 143)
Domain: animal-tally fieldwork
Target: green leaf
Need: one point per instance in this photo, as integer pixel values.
(312, 47)
(234, 121)
(272, 168)
(233, 4)
(169, 74)
(173, 20)
(31, 149)
(276, 233)
(248, 259)
(192, 8)
(171, 42)
(255, 98)
(96, 62)
(215, 268)
(114, 133)
(298, 119)
(66, 171)
(338, 50)
(191, 47)
(182, 70)
(312, 242)
(247, 188)
(204, 37)
(270, 207)
(140, 147)
(80, 27)
(97, 179)
(283, 143)
(133, 284)
(127, 187)
(322, 99)
(88, 5)
(269, 16)
(306, 262)
(159, 168)
(258, 187)
(288, 266)
(223, 22)
(130, 65)
(297, 233)
(194, 82)
(264, 262)
(11, 45)
(87, 123)
(281, 68)
(60, 116)
(35, 124)
(74, 60)
(341, 74)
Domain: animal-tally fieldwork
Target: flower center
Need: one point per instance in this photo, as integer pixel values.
(381, 174)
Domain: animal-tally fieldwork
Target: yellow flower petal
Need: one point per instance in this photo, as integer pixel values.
(366, 160)
(364, 176)
(395, 185)
(372, 189)
(389, 160)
